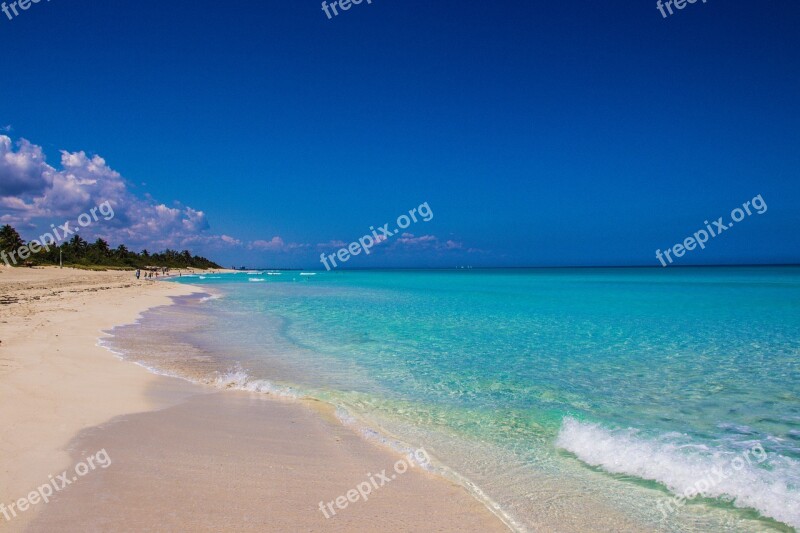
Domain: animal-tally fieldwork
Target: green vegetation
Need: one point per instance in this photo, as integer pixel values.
(78, 253)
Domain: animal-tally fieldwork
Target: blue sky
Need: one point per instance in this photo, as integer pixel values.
(540, 133)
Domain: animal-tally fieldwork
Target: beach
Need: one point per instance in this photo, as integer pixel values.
(255, 400)
(412, 267)
(534, 388)
(181, 456)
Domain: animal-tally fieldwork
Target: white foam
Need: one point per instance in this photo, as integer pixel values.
(103, 342)
(257, 279)
(239, 379)
(308, 273)
(772, 487)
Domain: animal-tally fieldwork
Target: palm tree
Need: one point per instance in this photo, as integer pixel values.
(101, 247)
(76, 248)
(10, 241)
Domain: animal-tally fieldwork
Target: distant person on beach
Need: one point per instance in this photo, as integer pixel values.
(138, 273)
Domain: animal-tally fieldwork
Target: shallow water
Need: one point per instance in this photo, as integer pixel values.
(550, 392)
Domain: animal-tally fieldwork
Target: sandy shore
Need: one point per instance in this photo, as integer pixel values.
(54, 379)
(182, 457)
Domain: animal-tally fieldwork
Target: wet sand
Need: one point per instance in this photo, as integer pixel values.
(232, 461)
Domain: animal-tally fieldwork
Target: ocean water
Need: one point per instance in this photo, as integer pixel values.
(583, 397)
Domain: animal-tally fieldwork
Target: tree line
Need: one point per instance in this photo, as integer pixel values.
(78, 252)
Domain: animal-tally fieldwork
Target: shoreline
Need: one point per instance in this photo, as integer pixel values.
(371, 431)
(56, 404)
(341, 414)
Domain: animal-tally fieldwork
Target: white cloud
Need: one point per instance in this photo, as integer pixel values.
(331, 244)
(227, 239)
(276, 244)
(409, 238)
(23, 171)
(31, 191)
(428, 242)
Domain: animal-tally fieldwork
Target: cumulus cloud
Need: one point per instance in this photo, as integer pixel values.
(31, 190)
(23, 171)
(35, 194)
(276, 244)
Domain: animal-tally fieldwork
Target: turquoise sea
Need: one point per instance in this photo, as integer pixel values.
(549, 393)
